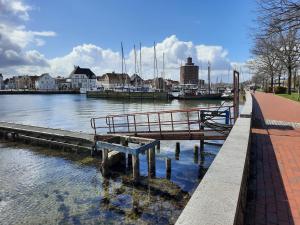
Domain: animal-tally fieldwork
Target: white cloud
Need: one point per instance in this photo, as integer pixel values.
(86, 55)
(14, 38)
(14, 9)
(102, 60)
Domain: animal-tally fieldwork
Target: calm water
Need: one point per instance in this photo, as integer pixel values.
(39, 186)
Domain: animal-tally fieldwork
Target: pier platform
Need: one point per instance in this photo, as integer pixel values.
(114, 148)
(60, 138)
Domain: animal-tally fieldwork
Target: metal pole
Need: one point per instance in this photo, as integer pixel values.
(208, 78)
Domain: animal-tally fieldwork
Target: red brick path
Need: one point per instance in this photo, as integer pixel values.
(274, 181)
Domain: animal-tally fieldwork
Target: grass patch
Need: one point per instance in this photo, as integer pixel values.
(293, 96)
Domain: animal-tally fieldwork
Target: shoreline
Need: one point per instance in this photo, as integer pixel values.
(17, 92)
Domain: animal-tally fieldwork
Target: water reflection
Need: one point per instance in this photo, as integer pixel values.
(39, 186)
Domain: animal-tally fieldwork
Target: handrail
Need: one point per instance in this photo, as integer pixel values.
(166, 111)
(157, 123)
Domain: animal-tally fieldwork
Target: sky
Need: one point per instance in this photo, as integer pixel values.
(53, 36)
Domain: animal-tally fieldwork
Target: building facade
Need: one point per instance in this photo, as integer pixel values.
(25, 82)
(189, 73)
(10, 83)
(63, 83)
(83, 78)
(114, 80)
(45, 82)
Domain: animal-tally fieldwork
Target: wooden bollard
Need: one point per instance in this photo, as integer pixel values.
(151, 162)
(168, 168)
(135, 167)
(158, 147)
(105, 162)
(196, 152)
(201, 145)
(202, 151)
(129, 160)
(177, 150)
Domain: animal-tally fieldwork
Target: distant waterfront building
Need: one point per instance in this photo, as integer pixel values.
(113, 80)
(25, 82)
(10, 83)
(189, 73)
(136, 80)
(62, 83)
(201, 83)
(159, 83)
(45, 82)
(83, 78)
(1, 82)
(171, 84)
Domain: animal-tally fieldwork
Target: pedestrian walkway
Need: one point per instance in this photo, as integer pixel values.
(274, 180)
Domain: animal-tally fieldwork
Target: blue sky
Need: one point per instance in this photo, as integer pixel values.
(52, 36)
(106, 23)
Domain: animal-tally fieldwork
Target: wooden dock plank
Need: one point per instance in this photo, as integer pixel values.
(44, 130)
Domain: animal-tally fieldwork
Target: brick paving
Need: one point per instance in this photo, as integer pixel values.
(274, 180)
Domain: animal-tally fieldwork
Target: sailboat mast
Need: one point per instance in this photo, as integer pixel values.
(208, 77)
(140, 59)
(122, 57)
(154, 57)
(134, 59)
(163, 73)
(135, 66)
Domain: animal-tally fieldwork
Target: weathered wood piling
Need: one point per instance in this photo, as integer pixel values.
(177, 150)
(168, 168)
(151, 162)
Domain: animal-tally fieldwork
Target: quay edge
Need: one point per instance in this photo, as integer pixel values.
(220, 198)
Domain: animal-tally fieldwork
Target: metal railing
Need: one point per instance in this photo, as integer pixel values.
(186, 120)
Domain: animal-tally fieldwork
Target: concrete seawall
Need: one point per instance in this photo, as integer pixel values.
(32, 92)
(128, 95)
(220, 197)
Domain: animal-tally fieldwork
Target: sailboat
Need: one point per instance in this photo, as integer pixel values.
(135, 91)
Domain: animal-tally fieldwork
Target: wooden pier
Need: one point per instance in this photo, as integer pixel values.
(126, 136)
(47, 136)
(114, 148)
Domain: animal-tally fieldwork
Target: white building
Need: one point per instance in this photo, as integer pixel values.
(1, 82)
(113, 80)
(83, 79)
(45, 82)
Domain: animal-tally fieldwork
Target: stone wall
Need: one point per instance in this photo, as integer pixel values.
(220, 197)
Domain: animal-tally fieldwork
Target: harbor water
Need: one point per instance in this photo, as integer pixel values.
(46, 186)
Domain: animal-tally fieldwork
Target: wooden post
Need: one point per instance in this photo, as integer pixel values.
(236, 89)
(202, 152)
(151, 162)
(158, 147)
(177, 150)
(104, 162)
(129, 160)
(202, 119)
(135, 167)
(168, 168)
(196, 152)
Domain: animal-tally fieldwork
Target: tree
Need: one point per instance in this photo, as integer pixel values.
(268, 61)
(276, 38)
(286, 48)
